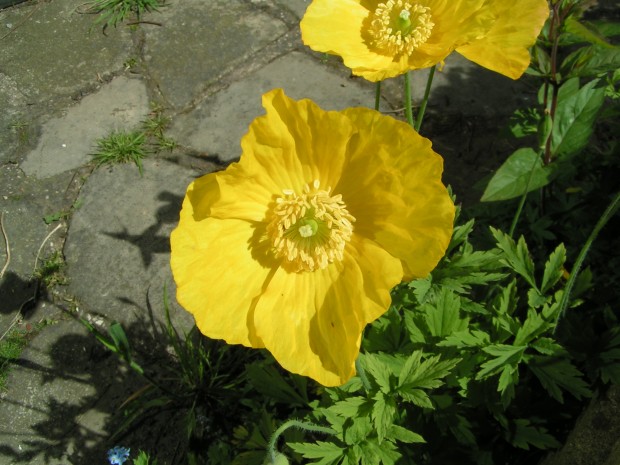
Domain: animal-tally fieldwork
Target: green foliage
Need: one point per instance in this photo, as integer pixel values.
(113, 12)
(12, 344)
(121, 147)
(453, 360)
(522, 172)
(476, 363)
(144, 459)
(51, 271)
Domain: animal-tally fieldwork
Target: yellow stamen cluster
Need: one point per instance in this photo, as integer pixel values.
(309, 230)
(400, 26)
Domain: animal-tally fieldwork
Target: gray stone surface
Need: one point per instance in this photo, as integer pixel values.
(596, 436)
(60, 404)
(68, 142)
(54, 49)
(117, 249)
(217, 124)
(297, 6)
(12, 117)
(202, 41)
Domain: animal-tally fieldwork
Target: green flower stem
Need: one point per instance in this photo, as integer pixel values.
(605, 217)
(377, 95)
(427, 92)
(271, 447)
(515, 220)
(408, 109)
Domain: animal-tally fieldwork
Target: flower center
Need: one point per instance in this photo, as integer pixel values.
(400, 26)
(310, 230)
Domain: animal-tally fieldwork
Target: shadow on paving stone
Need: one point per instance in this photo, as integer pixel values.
(15, 291)
(153, 240)
(66, 398)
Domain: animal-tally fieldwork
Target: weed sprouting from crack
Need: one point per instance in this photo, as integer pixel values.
(121, 147)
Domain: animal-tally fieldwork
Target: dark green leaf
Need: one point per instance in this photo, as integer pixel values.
(557, 374)
(522, 172)
(466, 338)
(460, 235)
(383, 412)
(357, 429)
(591, 61)
(503, 355)
(574, 119)
(404, 435)
(516, 256)
(349, 407)
(117, 333)
(533, 326)
(462, 430)
(545, 346)
(328, 452)
(375, 453)
(586, 31)
(506, 384)
(416, 396)
(525, 434)
(426, 374)
(442, 317)
(553, 268)
(420, 288)
(268, 381)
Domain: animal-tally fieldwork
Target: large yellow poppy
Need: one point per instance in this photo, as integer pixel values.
(296, 247)
(383, 39)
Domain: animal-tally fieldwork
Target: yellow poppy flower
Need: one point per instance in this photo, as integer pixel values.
(383, 39)
(296, 247)
(504, 48)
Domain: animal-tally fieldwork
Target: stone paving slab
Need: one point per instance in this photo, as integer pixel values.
(202, 41)
(55, 50)
(217, 124)
(68, 142)
(117, 249)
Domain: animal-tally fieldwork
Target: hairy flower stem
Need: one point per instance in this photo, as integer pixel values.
(377, 95)
(427, 92)
(408, 109)
(611, 210)
(271, 447)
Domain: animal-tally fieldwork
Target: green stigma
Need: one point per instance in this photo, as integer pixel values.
(404, 23)
(307, 227)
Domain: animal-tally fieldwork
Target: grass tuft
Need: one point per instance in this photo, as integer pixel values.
(121, 147)
(116, 11)
(51, 271)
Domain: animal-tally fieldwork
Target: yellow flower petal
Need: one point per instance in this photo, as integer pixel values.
(505, 48)
(312, 322)
(220, 270)
(410, 216)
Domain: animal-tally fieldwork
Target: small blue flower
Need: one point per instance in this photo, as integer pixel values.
(118, 455)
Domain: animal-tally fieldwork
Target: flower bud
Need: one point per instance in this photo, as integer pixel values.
(276, 459)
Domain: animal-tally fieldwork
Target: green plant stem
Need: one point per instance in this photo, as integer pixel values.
(515, 220)
(611, 210)
(427, 92)
(271, 447)
(408, 109)
(377, 95)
